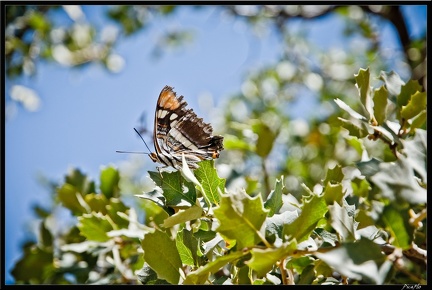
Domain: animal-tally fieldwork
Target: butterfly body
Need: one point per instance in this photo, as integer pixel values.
(178, 131)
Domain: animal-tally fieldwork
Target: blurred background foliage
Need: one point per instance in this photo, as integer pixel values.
(262, 141)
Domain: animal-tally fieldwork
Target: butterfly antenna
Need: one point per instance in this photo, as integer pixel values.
(142, 139)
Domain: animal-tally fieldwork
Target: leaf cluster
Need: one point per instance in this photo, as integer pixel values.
(365, 224)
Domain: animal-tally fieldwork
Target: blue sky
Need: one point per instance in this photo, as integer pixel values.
(86, 115)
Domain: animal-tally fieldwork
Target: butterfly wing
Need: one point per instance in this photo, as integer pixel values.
(179, 130)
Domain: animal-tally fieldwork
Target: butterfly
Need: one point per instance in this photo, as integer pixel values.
(178, 130)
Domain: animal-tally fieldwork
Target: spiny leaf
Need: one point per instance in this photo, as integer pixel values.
(334, 175)
(263, 260)
(407, 90)
(314, 209)
(241, 218)
(416, 105)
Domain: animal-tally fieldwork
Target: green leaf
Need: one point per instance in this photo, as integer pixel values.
(334, 175)
(380, 104)
(397, 223)
(274, 200)
(162, 255)
(350, 111)
(362, 84)
(113, 208)
(407, 90)
(45, 236)
(415, 106)
(263, 260)
(333, 192)
(392, 81)
(356, 130)
(361, 260)
(201, 274)
(416, 150)
(343, 223)
(418, 121)
(241, 218)
(33, 265)
(68, 196)
(176, 190)
(275, 224)
(96, 202)
(94, 226)
(109, 179)
(314, 208)
(266, 138)
(80, 181)
(182, 216)
(360, 186)
(188, 247)
(232, 142)
(397, 182)
(210, 181)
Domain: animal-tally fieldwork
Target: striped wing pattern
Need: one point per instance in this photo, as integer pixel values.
(178, 130)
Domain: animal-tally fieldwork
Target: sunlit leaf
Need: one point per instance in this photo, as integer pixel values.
(314, 208)
(94, 226)
(241, 218)
(263, 260)
(342, 222)
(380, 104)
(334, 175)
(416, 104)
(210, 181)
(363, 85)
(407, 90)
(356, 130)
(416, 150)
(396, 181)
(393, 82)
(274, 200)
(187, 246)
(182, 216)
(334, 192)
(361, 260)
